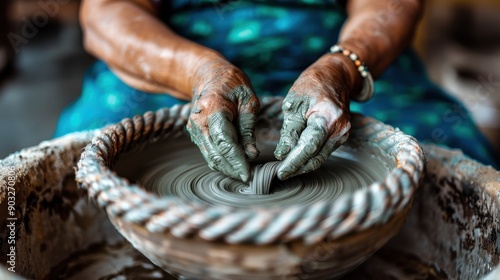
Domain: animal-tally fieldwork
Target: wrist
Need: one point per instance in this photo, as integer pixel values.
(366, 91)
(215, 70)
(205, 61)
(344, 70)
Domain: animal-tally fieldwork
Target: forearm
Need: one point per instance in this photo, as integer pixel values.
(139, 48)
(379, 30)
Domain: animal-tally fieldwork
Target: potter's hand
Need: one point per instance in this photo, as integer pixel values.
(223, 117)
(316, 117)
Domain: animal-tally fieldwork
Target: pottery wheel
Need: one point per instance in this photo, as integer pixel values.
(181, 171)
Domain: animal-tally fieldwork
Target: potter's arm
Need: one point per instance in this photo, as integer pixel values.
(316, 109)
(379, 30)
(147, 55)
(139, 48)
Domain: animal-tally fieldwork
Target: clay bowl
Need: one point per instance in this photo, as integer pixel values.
(450, 232)
(202, 241)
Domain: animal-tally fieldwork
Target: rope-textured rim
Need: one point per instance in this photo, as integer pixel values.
(365, 208)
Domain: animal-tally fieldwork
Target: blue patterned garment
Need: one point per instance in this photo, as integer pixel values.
(273, 42)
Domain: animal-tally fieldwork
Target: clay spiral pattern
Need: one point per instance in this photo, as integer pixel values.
(192, 180)
(310, 223)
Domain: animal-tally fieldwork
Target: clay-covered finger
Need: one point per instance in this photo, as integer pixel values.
(216, 161)
(311, 141)
(247, 108)
(225, 137)
(315, 162)
(294, 122)
(246, 126)
(210, 151)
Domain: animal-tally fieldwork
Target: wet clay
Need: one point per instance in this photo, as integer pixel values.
(185, 174)
(263, 175)
(219, 117)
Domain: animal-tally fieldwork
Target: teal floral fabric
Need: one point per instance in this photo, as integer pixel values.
(273, 42)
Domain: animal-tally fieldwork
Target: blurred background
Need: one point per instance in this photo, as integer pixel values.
(42, 63)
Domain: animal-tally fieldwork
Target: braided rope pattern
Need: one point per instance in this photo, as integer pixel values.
(367, 207)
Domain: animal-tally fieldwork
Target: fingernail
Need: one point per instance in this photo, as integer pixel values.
(212, 167)
(283, 175)
(244, 177)
(251, 151)
(281, 152)
(301, 172)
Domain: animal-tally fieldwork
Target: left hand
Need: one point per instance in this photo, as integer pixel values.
(316, 116)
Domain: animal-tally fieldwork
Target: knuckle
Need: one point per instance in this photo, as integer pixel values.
(316, 163)
(224, 147)
(310, 149)
(319, 123)
(205, 101)
(216, 160)
(287, 106)
(253, 104)
(230, 71)
(293, 102)
(310, 75)
(289, 132)
(194, 121)
(344, 138)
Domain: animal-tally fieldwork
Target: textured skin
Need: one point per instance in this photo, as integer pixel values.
(316, 117)
(222, 121)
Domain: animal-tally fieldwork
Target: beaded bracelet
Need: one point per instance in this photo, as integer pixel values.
(367, 90)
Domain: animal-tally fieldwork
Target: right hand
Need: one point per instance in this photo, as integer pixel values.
(222, 120)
